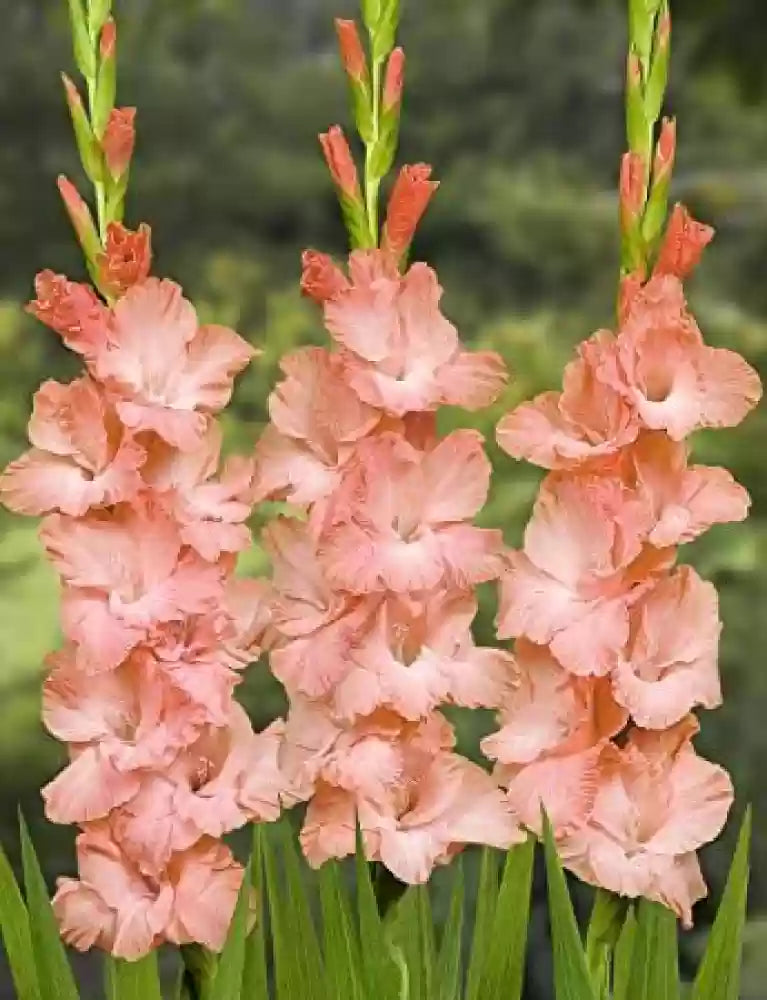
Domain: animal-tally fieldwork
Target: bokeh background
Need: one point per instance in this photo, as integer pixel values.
(518, 104)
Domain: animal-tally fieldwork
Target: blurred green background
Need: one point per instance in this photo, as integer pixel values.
(518, 104)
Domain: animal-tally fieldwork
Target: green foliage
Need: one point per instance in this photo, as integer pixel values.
(571, 972)
(14, 928)
(54, 973)
(295, 936)
(133, 980)
(719, 974)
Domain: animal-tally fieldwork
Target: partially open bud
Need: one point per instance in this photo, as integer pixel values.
(81, 219)
(119, 140)
(340, 162)
(394, 81)
(410, 196)
(683, 244)
(73, 310)
(321, 279)
(126, 260)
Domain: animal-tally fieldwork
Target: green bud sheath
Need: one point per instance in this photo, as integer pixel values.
(98, 12)
(104, 94)
(87, 146)
(84, 44)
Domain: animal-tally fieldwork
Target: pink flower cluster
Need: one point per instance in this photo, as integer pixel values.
(144, 534)
(614, 644)
(373, 580)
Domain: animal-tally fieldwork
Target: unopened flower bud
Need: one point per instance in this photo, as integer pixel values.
(410, 196)
(394, 81)
(108, 41)
(119, 140)
(340, 162)
(632, 189)
(80, 217)
(352, 53)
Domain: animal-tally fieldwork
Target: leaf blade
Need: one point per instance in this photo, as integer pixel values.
(227, 982)
(487, 894)
(449, 957)
(504, 971)
(254, 979)
(54, 972)
(571, 974)
(134, 980)
(718, 977)
(17, 940)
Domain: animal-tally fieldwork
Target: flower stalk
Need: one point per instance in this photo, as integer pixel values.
(617, 644)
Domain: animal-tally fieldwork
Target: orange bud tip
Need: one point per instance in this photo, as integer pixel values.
(632, 188)
(108, 40)
(665, 151)
(352, 53)
(634, 69)
(409, 199)
(340, 162)
(73, 201)
(394, 80)
(664, 29)
(73, 95)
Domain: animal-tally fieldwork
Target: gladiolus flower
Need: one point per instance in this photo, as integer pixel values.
(81, 458)
(402, 354)
(117, 908)
(657, 803)
(166, 371)
(671, 379)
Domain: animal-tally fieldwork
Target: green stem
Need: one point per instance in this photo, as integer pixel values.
(372, 182)
(98, 186)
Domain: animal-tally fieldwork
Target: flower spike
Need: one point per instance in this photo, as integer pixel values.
(617, 645)
(143, 528)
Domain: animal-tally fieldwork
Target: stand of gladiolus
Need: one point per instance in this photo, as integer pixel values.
(367, 617)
